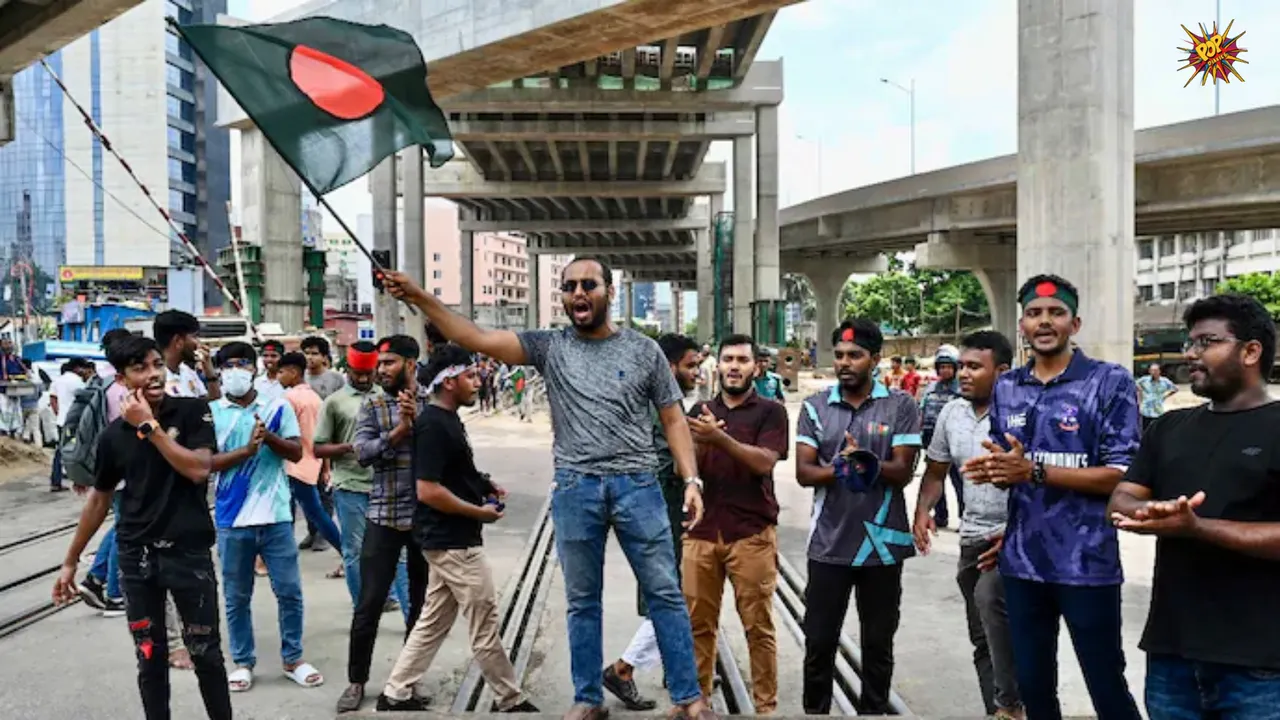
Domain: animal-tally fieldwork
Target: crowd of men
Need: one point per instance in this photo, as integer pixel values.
(1049, 461)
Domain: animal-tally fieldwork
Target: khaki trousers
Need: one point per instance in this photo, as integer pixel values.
(751, 564)
(459, 580)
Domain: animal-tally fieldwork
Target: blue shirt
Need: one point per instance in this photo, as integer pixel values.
(1153, 392)
(770, 386)
(935, 397)
(1085, 417)
(859, 528)
(255, 492)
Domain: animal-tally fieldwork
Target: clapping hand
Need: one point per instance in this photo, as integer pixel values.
(1001, 467)
(705, 427)
(408, 407)
(1162, 517)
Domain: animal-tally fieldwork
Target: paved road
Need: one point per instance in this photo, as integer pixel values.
(76, 664)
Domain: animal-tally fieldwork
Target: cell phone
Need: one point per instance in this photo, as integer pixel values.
(383, 258)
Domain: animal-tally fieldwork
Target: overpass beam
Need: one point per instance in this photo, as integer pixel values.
(768, 277)
(1075, 160)
(386, 314)
(744, 248)
(272, 217)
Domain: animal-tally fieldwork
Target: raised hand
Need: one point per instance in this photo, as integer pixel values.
(402, 287)
(1170, 518)
(135, 409)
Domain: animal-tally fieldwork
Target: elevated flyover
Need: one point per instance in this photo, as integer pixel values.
(31, 29)
(579, 117)
(1215, 173)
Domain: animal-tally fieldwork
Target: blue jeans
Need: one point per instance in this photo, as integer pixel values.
(1092, 614)
(583, 507)
(1179, 689)
(274, 543)
(351, 507)
(308, 498)
(106, 561)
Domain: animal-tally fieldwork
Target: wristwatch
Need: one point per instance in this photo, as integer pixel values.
(146, 428)
(1038, 473)
(695, 480)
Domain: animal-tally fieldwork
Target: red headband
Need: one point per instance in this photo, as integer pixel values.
(847, 335)
(361, 361)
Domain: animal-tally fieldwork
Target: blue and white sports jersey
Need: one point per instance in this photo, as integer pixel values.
(255, 492)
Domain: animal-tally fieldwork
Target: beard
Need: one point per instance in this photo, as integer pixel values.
(397, 383)
(735, 391)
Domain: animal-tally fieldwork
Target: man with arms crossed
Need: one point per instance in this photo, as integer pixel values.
(958, 433)
(162, 448)
(601, 382)
(1205, 485)
(741, 435)
(1064, 429)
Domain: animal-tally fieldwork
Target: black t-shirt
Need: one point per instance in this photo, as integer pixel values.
(156, 502)
(1208, 603)
(442, 454)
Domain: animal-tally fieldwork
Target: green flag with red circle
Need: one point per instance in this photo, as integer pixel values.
(332, 97)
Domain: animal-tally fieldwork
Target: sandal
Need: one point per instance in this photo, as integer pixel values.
(240, 679)
(305, 675)
(337, 573)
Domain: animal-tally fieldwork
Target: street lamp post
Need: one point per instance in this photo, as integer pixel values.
(911, 94)
(817, 140)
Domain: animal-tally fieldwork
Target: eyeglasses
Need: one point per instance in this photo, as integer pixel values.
(1204, 342)
(588, 285)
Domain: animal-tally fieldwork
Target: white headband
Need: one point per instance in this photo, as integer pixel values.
(452, 371)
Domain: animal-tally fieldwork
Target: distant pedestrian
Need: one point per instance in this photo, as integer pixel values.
(768, 384)
(1153, 389)
(1204, 484)
(305, 473)
(936, 396)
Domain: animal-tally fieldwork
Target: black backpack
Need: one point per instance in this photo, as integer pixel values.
(86, 420)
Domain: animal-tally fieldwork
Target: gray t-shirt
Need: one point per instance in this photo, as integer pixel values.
(601, 392)
(957, 437)
(326, 383)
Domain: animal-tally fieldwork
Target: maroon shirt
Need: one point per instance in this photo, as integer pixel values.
(738, 503)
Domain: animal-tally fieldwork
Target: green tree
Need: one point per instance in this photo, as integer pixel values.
(1265, 287)
(908, 300)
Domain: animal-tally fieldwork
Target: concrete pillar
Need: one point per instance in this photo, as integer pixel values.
(272, 217)
(7, 122)
(827, 285)
(768, 277)
(467, 265)
(386, 311)
(415, 237)
(677, 307)
(744, 246)
(533, 316)
(1001, 287)
(628, 303)
(706, 284)
(1075, 160)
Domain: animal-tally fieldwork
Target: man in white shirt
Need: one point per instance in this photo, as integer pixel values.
(62, 394)
(178, 335)
(268, 387)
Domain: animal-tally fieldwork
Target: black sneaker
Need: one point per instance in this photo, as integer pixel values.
(93, 591)
(626, 691)
(113, 607)
(413, 704)
(320, 544)
(307, 542)
(390, 606)
(523, 707)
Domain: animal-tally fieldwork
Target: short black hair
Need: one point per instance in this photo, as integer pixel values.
(445, 356)
(236, 351)
(737, 339)
(909, 360)
(434, 336)
(1058, 280)
(1245, 317)
(170, 324)
(401, 345)
(113, 335)
(128, 351)
(895, 358)
(866, 334)
(674, 346)
(605, 271)
(273, 345)
(315, 341)
(997, 343)
(293, 359)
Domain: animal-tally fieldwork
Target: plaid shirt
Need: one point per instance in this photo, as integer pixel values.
(394, 495)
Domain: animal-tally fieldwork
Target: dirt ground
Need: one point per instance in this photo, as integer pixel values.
(20, 460)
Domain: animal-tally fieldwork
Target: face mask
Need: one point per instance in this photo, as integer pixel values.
(237, 382)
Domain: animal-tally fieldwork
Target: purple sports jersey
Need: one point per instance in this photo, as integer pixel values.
(1085, 417)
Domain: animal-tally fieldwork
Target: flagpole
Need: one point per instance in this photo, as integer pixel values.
(182, 236)
(379, 269)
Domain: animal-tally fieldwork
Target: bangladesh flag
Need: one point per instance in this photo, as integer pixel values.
(333, 97)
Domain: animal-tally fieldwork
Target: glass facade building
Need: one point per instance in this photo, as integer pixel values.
(112, 76)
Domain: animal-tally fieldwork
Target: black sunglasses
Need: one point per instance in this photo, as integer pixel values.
(588, 285)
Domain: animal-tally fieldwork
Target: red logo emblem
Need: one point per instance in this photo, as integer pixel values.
(335, 86)
(1046, 289)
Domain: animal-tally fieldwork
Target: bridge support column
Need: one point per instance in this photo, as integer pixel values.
(467, 255)
(827, 277)
(677, 308)
(995, 265)
(628, 303)
(533, 311)
(768, 277)
(744, 247)
(1001, 287)
(386, 314)
(7, 130)
(1075, 160)
(415, 237)
(706, 284)
(272, 217)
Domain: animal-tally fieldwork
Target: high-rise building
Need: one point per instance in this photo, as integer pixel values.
(140, 83)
